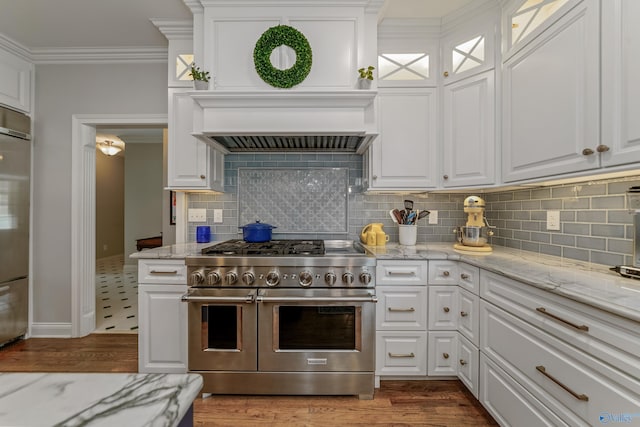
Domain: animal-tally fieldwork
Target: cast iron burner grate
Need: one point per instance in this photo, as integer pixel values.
(270, 248)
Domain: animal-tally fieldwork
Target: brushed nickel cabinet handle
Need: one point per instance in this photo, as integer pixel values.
(602, 148)
(446, 74)
(464, 276)
(587, 152)
(445, 273)
(202, 177)
(401, 355)
(543, 371)
(445, 355)
(463, 362)
(401, 273)
(163, 272)
(445, 176)
(410, 309)
(560, 319)
(445, 309)
(464, 314)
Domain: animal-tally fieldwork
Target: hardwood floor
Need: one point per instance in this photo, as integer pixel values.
(396, 403)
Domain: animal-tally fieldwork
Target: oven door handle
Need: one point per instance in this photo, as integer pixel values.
(370, 298)
(249, 298)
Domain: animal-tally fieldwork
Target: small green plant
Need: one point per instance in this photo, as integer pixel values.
(366, 73)
(197, 74)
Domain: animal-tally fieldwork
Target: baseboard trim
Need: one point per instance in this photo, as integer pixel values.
(50, 330)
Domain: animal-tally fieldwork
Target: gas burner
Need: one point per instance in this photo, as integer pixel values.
(270, 248)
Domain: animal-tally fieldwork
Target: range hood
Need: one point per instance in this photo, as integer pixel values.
(286, 121)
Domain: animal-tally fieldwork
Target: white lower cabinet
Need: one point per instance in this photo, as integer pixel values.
(442, 353)
(162, 317)
(468, 364)
(401, 353)
(509, 403)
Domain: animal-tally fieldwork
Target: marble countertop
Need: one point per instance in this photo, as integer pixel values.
(84, 399)
(592, 284)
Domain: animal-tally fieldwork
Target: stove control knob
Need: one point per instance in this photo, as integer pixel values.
(273, 278)
(248, 278)
(365, 278)
(213, 278)
(347, 278)
(197, 278)
(305, 279)
(330, 279)
(232, 277)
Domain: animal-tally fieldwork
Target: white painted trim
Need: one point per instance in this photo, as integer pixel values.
(51, 330)
(99, 55)
(83, 211)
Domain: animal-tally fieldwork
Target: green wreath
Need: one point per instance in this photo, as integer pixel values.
(271, 39)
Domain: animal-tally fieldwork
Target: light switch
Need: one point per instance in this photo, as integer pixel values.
(197, 215)
(217, 216)
(433, 217)
(553, 220)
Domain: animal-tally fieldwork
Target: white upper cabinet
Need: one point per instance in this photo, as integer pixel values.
(469, 50)
(404, 155)
(551, 99)
(15, 81)
(620, 83)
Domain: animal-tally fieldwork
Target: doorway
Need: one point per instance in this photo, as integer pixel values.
(83, 208)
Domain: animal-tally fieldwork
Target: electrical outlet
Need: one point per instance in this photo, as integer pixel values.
(553, 220)
(217, 216)
(433, 217)
(197, 215)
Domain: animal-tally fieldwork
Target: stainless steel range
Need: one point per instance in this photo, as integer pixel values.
(283, 317)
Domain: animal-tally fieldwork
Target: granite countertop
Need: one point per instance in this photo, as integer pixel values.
(110, 399)
(592, 284)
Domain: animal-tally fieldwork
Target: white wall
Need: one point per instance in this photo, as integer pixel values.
(143, 194)
(62, 90)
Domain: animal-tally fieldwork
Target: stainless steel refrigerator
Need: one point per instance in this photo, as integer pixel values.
(15, 167)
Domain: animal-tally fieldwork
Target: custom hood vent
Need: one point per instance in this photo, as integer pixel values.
(276, 143)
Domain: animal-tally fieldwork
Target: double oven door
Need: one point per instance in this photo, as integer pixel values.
(281, 330)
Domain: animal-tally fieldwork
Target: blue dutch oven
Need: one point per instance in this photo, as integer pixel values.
(257, 232)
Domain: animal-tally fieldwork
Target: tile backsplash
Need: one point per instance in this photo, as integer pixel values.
(595, 225)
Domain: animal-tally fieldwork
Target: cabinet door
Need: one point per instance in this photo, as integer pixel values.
(191, 163)
(468, 364)
(469, 131)
(401, 353)
(442, 350)
(162, 334)
(404, 154)
(443, 308)
(620, 83)
(15, 82)
(551, 99)
(468, 320)
(401, 308)
(469, 51)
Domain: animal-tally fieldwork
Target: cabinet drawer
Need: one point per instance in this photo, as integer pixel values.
(453, 273)
(571, 383)
(390, 272)
(603, 335)
(442, 349)
(508, 402)
(155, 271)
(401, 353)
(401, 308)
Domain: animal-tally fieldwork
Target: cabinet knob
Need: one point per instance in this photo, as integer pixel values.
(202, 177)
(464, 314)
(445, 273)
(445, 176)
(587, 152)
(445, 309)
(464, 276)
(602, 148)
(446, 74)
(463, 362)
(375, 176)
(445, 355)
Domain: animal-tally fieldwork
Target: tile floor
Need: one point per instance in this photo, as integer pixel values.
(116, 297)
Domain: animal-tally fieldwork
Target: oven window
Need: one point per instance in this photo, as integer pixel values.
(220, 325)
(318, 327)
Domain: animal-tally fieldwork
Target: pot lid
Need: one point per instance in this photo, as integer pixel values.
(258, 226)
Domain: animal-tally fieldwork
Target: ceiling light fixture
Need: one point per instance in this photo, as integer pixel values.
(110, 145)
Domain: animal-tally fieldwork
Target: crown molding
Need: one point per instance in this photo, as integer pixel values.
(402, 28)
(174, 29)
(16, 48)
(99, 55)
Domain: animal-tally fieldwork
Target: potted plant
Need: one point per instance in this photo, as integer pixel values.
(200, 78)
(365, 77)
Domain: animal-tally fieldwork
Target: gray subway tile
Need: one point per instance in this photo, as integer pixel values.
(591, 243)
(591, 216)
(620, 246)
(575, 228)
(608, 230)
(573, 253)
(607, 258)
(608, 202)
(563, 239)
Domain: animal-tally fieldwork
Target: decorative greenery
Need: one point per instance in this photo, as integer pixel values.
(197, 74)
(271, 39)
(366, 73)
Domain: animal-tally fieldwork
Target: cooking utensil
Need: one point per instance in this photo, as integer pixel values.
(393, 217)
(410, 218)
(398, 215)
(408, 205)
(257, 232)
(422, 214)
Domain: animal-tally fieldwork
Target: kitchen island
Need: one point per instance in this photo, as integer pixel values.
(109, 399)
